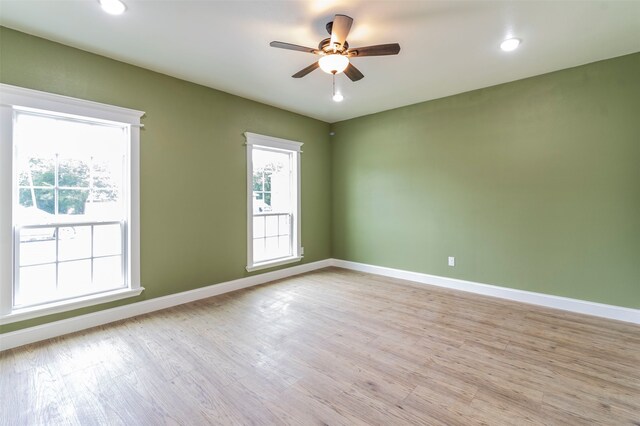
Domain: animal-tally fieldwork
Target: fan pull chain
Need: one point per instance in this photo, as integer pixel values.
(334, 84)
(337, 97)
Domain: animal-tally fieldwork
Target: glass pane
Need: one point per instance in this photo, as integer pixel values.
(37, 245)
(104, 204)
(267, 180)
(37, 284)
(45, 201)
(108, 171)
(73, 172)
(35, 216)
(267, 202)
(107, 273)
(107, 240)
(72, 201)
(271, 226)
(283, 221)
(74, 242)
(74, 278)
(40, 170)
(258, 226)
(259, 205)
(284, 246)
(258, 250)
(257, 181)
(25, 197)
(271, 247)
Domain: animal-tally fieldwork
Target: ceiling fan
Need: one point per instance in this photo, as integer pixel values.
(335, 53)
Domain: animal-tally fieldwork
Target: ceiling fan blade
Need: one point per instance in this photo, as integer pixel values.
(353, 73)
(289, 46)
(340, 29)
(306, 70)
(378, 50)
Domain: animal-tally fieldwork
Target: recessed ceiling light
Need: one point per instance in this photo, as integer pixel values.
(113, 7)
(510, 44)
(338, 97)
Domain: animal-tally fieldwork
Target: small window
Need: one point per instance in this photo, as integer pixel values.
(73, 203)
(273, 205)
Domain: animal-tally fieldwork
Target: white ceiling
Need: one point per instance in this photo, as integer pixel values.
(447, 46)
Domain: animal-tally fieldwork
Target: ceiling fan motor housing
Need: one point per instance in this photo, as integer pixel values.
(326, 47)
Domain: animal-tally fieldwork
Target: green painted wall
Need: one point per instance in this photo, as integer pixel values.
(532, 185)
(193, 163)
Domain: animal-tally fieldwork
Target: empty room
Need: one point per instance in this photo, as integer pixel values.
(319, 212)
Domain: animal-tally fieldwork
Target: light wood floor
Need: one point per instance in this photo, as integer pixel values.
(332, 347)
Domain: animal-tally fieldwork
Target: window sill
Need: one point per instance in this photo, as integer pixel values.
(69, 305)
(274, 263)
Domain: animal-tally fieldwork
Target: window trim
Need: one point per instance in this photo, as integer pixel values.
(270, 142)
(14, 97)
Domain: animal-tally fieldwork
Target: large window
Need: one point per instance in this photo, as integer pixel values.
(71, 191)
(273, 189)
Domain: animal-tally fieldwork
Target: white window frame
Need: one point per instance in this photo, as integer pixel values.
(262, 141)
(12, 98)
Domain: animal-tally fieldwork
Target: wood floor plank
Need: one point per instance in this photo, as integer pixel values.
(332, 347)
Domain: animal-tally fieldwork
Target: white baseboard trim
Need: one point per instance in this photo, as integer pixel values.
(564, 303)
(58, 328)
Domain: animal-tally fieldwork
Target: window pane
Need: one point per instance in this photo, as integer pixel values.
(258, 226)
(73, 172)
(105, 204)
(272, 226)
(108, 170)
(283, 221)
(41, 212)
(37, 245)
(284, 245)
(259, 253)
(25, 198)
(107, 273)
(74, 242)
(33, 216)
(39, 170)
(74, 278)
(107, 240)
(37, 284)
(257, 181)
(272, 247)
(72, 201)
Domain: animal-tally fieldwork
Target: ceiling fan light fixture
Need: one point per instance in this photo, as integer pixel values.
(338, 97)
(333, 63)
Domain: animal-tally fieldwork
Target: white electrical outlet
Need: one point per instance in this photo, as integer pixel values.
(301, 251)
(452, 261)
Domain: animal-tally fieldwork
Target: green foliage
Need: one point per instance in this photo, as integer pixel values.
(73, 174)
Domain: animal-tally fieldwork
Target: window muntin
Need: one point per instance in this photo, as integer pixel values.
(273, 201)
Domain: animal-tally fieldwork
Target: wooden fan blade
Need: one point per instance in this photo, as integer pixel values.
(340, 29)
(306, 71)
(353, 73)
(289, 46)
(378, 50)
